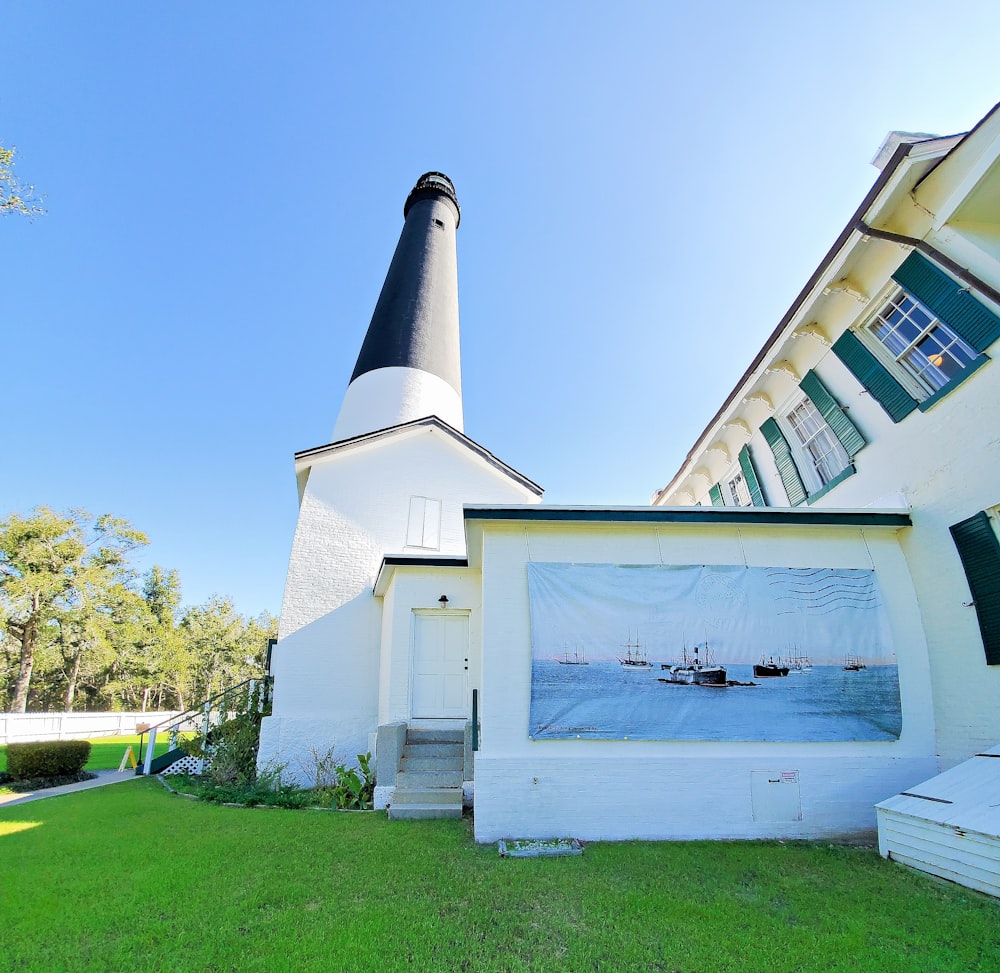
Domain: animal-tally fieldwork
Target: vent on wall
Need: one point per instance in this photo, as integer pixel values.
(424, 524)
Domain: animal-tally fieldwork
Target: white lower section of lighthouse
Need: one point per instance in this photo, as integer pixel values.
(391, 396)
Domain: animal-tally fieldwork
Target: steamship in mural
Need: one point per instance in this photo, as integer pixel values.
(719, 643)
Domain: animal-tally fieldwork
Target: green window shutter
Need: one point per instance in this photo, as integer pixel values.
(716, 494)
(786, 465)
(956, 307)
(980, 553)
(750, 475)
(867, 369)
(836, 417)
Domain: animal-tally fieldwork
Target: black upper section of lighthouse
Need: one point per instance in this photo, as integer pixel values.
(429, 185)
(415, 323)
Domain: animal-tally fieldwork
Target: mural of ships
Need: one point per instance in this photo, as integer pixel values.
(854, 663)
(578, 658)
(693, 672)
(635, 656)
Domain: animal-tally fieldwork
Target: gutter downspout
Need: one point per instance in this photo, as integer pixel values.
(957, 270)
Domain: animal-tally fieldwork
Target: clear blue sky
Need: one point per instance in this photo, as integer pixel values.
(645, 188)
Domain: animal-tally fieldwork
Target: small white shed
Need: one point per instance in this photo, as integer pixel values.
(949, 825)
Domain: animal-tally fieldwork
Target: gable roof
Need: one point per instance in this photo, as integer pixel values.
(306, 457)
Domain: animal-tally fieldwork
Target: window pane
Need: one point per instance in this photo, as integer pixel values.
(739, 492)
(415, 524)
(925, 347)
(819, 442)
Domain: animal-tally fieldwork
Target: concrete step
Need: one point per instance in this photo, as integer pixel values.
(414, 735)
(429, 778)
(434, 750)
(428, 795)
(431, 763)
(412, 812)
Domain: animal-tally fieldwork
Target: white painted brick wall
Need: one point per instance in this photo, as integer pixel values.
(946, 462)
(354, 509)
(651, 795)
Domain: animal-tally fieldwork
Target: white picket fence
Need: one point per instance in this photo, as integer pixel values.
(28, 727)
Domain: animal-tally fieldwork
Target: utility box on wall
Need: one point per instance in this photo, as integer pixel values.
(775, 796)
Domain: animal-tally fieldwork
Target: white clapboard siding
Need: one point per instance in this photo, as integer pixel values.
(949, 825)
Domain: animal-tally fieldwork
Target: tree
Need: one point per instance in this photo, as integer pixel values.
(79, 629)
(224, 647)
(15, 196)
(165, 647)
(58, 571)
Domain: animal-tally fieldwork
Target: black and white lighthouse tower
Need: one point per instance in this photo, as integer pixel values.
(393, 483)
(409, 366)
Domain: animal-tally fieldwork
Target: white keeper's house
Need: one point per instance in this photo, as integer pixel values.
(878, 388)
(792, 632)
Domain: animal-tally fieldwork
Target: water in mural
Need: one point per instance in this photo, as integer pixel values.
(710, 653)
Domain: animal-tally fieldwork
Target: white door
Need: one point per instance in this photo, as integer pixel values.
(440, 666)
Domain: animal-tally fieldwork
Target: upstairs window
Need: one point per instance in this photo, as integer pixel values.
(739, 487)
(929, 337)
(814, 442)
(926, 351)
(824, 456)
(738, 491)
(424, 524)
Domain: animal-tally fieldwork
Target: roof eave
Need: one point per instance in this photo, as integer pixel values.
(392, 562)
(307, 457)
(893, 172)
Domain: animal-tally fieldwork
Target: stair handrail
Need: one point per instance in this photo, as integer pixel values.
(204, 709)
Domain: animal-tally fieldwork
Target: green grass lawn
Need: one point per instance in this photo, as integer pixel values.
(131, 877)
(106, 752)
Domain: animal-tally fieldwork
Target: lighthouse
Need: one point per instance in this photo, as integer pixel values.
(388, 489)
(409, 366)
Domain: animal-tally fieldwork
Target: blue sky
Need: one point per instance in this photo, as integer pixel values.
(644, 192)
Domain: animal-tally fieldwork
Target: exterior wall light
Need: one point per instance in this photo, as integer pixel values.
(443, 601)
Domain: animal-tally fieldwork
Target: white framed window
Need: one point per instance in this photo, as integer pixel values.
(423, 529)
(818, 452)
(735, 489)
(918, 348)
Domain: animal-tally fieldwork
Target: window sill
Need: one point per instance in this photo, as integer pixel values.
(930, 402)
(838, 479)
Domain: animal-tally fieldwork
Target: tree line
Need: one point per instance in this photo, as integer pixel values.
(81, 629)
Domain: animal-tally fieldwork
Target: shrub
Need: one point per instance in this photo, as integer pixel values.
(355, 788)
(231, 746)
(51, 758)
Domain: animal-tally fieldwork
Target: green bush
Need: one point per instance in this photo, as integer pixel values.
(51, 758)
(231, 746)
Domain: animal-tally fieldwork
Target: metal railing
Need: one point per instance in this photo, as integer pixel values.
(205, 716)
(475, 720)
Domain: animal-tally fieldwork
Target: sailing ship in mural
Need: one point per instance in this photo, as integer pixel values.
(635, 656)
(577, 659)
(582, 686)
(694, 670)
